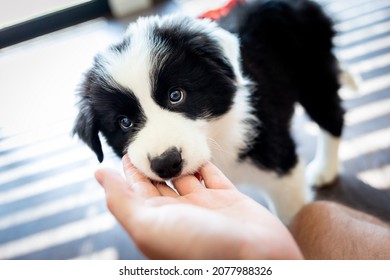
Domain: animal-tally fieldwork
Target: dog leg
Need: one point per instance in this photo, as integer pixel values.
(289, 193)
(286, 194)
(325, 166)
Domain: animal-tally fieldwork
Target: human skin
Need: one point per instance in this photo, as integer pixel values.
(200, 220)
(328, 230)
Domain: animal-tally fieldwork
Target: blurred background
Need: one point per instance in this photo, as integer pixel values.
(50, 205)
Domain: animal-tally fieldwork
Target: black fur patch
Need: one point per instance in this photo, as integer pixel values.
(102, 103)
(194, 62)
(286, 49)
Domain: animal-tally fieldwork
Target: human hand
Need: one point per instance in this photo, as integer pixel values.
(200, 221)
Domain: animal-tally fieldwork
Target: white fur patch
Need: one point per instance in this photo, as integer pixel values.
(164, 130)
(286, 194)
(325, 165)
(232, 133)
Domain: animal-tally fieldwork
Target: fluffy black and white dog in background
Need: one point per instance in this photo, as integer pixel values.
(178, 91)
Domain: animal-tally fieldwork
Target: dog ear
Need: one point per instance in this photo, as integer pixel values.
(230, 46)
(231, 49)
(87, 128)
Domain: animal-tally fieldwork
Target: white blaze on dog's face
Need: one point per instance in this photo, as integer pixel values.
(153, 94)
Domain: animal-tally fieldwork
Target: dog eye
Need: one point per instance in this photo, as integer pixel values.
(176, 96)
(125, 122)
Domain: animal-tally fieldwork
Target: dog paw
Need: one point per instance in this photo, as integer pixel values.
(319, 174)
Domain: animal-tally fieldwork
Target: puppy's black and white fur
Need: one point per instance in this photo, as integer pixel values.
(178, 91)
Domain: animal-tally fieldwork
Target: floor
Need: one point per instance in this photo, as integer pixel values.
(50, 205)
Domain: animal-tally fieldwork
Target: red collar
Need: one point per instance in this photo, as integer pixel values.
(222, 11)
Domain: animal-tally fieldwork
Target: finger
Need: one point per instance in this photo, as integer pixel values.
(214, 178)
(166, 190)
(187, 184)
(138, 182)
(121, 201)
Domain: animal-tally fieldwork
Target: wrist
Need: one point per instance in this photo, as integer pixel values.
(271, 244)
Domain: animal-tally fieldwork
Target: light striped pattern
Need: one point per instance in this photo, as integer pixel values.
(363, 46)
(50, 205)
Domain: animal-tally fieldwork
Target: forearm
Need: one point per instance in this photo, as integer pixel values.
(326, 230)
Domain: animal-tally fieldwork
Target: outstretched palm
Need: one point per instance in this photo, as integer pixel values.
(198, 221)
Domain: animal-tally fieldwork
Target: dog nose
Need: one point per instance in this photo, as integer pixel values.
(168, 164)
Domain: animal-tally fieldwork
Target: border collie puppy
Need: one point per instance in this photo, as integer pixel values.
(178, 91)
